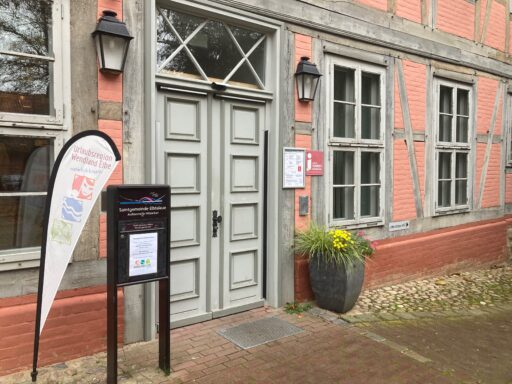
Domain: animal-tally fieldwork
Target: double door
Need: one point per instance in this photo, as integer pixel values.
(210, 151)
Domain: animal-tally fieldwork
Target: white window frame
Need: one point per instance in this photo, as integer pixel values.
(356, 144)
(58, 57)
(508, 128)
(17, 258)
(56, 126)
(263, 88)
(453, 147)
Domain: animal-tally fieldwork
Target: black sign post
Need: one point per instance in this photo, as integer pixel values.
(138, 241)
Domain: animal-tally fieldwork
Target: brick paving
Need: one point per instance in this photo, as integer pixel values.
(475, 348)
(466, 346)
(326, 352)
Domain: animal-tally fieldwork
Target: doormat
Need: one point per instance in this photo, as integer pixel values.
(259, 332)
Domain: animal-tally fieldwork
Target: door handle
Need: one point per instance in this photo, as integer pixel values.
(216, 220)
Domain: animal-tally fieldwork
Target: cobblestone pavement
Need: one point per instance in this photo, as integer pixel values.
(464, 346)
(458, 292)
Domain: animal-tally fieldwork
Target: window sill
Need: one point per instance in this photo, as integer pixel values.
(452, 212)
(19, 259)
(352, 143)
(350, 226)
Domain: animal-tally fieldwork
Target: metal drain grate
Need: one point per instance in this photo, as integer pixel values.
(259, 332)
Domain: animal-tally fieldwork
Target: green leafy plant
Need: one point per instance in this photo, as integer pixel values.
(297, 308)
(335, 246)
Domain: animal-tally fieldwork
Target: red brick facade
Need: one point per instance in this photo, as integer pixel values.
(496, 30)
(76, 326)
(449, 19)
(461, 246)
(403, 196)
(409, 9)
(379, 4)
(442, 251)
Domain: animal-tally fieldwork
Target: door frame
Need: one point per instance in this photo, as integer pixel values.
(275, 31)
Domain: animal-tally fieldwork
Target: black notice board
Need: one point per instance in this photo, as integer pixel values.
(138, 251)
(139, 235)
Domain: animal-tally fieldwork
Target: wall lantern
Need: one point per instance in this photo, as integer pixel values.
(112, 41)
(307, 78)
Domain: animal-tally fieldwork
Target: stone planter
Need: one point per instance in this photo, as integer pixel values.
(336, 288)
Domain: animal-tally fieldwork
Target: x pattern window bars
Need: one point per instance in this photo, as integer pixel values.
(209, 50)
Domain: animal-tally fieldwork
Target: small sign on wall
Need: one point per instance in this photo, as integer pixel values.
(294, 167)
(398, 226)
(314, 163)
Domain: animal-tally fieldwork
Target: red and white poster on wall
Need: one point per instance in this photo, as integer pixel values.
(314, 163)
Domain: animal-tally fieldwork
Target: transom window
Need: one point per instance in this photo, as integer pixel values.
(356, 143)
(210, 50)
(453, 146)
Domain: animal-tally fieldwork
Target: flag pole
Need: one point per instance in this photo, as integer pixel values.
(51, 185)
(37, 331)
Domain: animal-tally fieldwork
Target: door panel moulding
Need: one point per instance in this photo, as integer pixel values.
(483, 176)
(381, 30)
(409, 139)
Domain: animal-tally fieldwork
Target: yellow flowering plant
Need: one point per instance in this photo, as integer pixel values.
(336, 246)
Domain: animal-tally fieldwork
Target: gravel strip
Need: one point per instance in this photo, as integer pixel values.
(455, 292)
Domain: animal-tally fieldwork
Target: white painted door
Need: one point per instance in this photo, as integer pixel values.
(210, 151)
